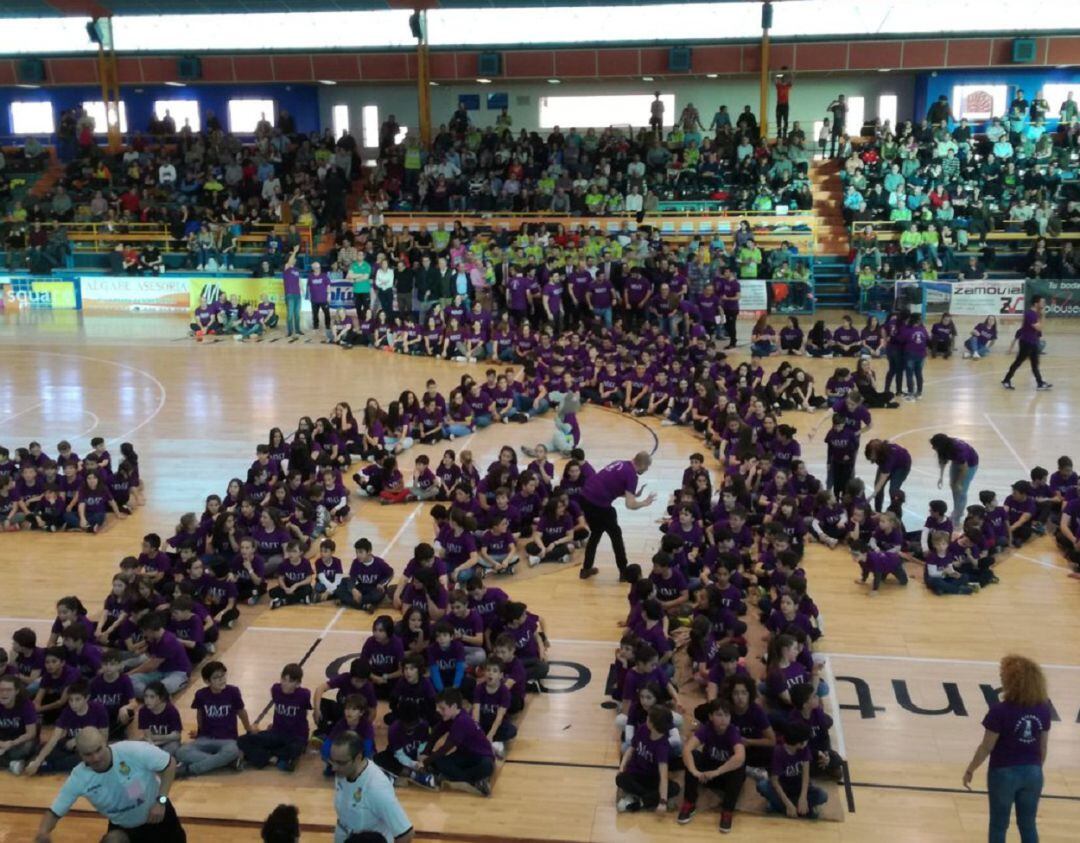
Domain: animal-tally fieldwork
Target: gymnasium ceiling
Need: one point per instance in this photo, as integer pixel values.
(98, 8)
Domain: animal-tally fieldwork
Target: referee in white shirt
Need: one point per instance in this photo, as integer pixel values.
(364, 798)
(128, 783)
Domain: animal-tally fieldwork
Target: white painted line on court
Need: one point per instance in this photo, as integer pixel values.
(29, 409)
(161, 387)
(1005, 440)
(834, 704)
(1035, 561)
(918, 659)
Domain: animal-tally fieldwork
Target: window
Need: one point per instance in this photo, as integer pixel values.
(180, 111)
(886, 110)
(32, 118)
(96, 110)
(244, 115)
(599, 112)
(339, 117)
(369, 116)
(856, 116)
(979, 102)
(1056, 94)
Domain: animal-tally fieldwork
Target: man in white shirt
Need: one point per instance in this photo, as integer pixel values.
(634, 201)
(364, 798)
(128, 783)
(166, 174)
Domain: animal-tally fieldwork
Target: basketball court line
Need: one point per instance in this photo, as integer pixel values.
(1005, 441)
(161, 387)
(29, 409)
(931, 660)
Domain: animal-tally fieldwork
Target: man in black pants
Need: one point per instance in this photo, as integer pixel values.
(838, 108)
(127, 782)
(615, 480)
(1029, 337)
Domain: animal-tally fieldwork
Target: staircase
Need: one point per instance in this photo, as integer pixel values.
(832, 278)
(49, 178)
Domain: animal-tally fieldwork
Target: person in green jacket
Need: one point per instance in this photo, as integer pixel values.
(360, 275)
(749, 258)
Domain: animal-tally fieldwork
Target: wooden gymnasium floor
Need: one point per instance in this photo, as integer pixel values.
(195, 414)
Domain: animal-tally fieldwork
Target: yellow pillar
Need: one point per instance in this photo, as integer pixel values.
(110, 85)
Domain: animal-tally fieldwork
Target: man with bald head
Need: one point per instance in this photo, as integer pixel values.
(128, 783)
(601, 490)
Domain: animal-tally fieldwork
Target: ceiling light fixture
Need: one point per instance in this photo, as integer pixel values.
(484, 81)
(327, 82)
(176, 84)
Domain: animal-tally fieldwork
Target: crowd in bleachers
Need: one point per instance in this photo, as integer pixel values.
(207, 188)
(618, 170)
(945, 186)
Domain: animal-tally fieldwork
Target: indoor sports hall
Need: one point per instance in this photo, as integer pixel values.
(645, 231)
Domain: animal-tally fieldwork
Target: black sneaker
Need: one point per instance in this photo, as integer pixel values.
(1045, 385)
(585, 573)
(725, 822)
(483, 787)
(1007, 385)
(685, 813)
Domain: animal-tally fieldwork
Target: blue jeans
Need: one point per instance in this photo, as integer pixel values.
(763, 348)
(960, 487)
(814, 796)
(483, 420)
(1021, 785)
(913, 367)
(603, 313)
(458, 430)
(896, 482)
(976, 346)
(530, 406)
(292, 314)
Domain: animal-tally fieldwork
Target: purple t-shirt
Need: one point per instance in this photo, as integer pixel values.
(1019, 730)
(291, 280)
(112, 695)
(383, 657)
(71, 724)
(165, 723)
(465, 734)
(290, 711)
(218, 712)
(489, 703)
(14, 720)
(648, 754)
(174, 658)
(788, 766)
(718, 747)
(612, 481)
(1028, 332)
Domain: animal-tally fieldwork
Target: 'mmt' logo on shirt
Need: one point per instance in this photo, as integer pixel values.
(217, 711)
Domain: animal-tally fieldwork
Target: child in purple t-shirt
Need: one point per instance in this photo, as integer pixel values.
(219, 705)
(286, 739)
(643, 778)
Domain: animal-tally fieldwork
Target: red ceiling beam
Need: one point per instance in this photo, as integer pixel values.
(571, 63)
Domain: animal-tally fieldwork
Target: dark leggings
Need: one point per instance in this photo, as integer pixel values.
(260, 747)
(645, 788)
(316, 307)
(728, 785)
(299, 596)
(462, 766)
(603, 519)
(895, 356)
(1028, 351)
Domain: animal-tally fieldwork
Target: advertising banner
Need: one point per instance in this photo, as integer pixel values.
(987, 298)
(42, 292)
(147, 294)
(1062, 298)
(248, 290)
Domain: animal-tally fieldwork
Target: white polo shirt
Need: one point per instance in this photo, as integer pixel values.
(368, 804)
(123, 794)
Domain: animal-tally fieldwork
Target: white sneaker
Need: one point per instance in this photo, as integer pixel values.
(627, 803)
(757, 773)
(500, 749)
(667, 423)
(967, 355)
(534, 561)
(16, 767)
(460, 359)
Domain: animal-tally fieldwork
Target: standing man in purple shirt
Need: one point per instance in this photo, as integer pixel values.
(318, 291)
(1029, 336)
(290, 277)
(615, 480)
